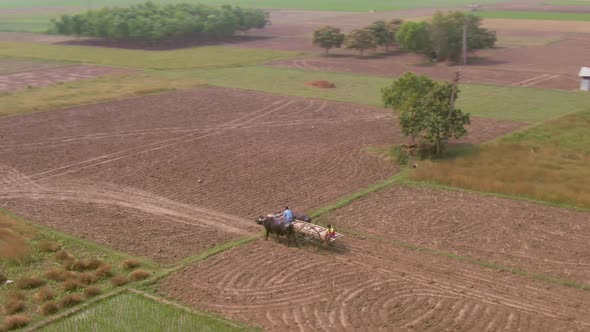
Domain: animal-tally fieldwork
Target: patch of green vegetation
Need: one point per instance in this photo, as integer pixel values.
(197, 57)
(529, 105)
(571, 2)
(20, 23)
(87, 92)
(548, 162)
(135, 312)
(30, 250)
(526, 15)
(330, 5)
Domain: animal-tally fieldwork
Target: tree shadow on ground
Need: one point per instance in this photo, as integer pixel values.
(164, 45)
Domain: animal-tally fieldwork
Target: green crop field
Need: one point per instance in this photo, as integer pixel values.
(134, 312)
(552, 16)
(198, 57)
(337, 5)
(507, 103)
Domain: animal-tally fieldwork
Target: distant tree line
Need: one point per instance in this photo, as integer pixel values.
(380, 33)
(151, 22)
(441, 38)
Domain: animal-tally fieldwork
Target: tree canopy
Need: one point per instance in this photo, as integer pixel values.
(426, 110)
(415, 37)
(444, 35)
(151, 22)
(361, 40)
(447, 35)
(328, 37)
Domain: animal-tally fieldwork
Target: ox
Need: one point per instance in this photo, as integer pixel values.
(277, 226)
(301, 216)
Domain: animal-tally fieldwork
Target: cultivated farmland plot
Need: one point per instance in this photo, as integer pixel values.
(131, 173)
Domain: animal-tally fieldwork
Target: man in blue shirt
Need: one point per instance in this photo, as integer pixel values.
(287, 215)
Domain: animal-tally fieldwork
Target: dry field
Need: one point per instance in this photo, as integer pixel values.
(507, 232)
(371, 286)
(38, 76)
(204, 161)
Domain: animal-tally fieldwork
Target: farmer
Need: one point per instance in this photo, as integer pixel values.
(287, 215)
(329, 234)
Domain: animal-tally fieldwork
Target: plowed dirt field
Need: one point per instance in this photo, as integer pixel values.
(372, 287)
(203, 163)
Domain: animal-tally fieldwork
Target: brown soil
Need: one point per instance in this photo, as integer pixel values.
(321, 84)
(144, 157)
(42, 77)
(372, 286)
(517, 234)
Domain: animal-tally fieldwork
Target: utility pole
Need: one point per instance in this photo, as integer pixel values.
(464, 53)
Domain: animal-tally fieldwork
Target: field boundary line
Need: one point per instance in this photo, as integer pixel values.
(474, 261)
(439, 186)
(349, 199)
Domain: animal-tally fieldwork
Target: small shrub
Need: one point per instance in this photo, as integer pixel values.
(48, 246)
(139, 275)
(48, 308)
(63, 256)
(30, 282)
(92, 291)
(70, 300)
(67, 264)
(15, 295)
(79, 265)
(87, 278)
(44, 294)
(93, 264)
(15, 322)
(130, 264)
(12, 307)
(71, 285)
(2, 278)
(119, 280)
(57, 274)
(103, 271)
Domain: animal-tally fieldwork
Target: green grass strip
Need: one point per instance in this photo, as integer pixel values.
(357, 195)
(526, 15)
(435, 185)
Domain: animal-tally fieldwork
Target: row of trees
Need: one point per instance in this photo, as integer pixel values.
(151, 22)
(380, 33)
(442, 37)
(426, 110)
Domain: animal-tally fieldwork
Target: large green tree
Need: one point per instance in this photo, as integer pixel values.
(328, 37)
(415, 37)
(361, 40)
(447, 34)
(383, 33)
(426, 110)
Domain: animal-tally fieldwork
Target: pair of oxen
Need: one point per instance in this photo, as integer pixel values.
(274, 224)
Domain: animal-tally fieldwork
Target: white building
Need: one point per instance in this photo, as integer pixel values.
(585, 75)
